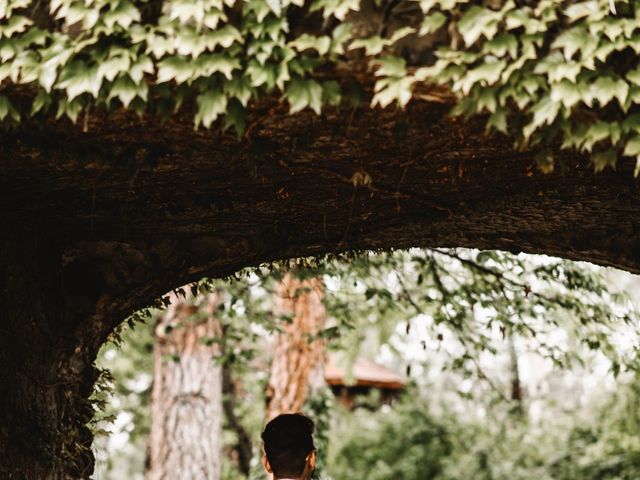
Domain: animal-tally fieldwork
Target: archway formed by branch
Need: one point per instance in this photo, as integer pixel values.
(101, 220)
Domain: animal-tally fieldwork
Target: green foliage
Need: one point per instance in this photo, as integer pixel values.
(478, 299)
(546, 72)
(218, 53)
(459, 308)
(407, 442)
(560, 71)
(414, 440)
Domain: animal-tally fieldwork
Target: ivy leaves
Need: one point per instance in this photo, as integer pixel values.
(546, 73)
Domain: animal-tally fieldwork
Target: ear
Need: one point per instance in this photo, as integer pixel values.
(265, 464)
(311, 459)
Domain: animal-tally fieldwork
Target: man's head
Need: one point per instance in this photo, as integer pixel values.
(288, 447)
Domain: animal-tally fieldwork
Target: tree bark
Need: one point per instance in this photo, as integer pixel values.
(298, 361)
(131, 208)
(185, 441)
(244, 446)
(46, 370)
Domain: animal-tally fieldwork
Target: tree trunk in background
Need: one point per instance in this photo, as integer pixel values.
(516, 384)
(298, 365)
(243, 447)
(185, 441)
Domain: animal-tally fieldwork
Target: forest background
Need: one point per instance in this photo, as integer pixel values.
(518, 367)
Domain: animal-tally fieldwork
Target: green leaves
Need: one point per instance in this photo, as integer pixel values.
(544, 68)
(211, 104)
(79, 78)
(302, 94)
(477, 22)
(396, 86)
(375, 45)
(7, 110)
(432, 23)
(605, 89)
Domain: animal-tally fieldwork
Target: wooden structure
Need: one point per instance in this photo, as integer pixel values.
(364, 377)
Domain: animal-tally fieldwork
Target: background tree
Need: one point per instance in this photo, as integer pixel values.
(185, 440)
(443, 317)
(297, 366)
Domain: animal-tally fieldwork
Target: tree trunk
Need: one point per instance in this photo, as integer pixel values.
(123, 209)
(297, 367)
(516, 383)
(243, 447)
(185, 441)
(46, 371)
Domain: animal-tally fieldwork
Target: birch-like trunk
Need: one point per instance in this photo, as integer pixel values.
(298, 364)
(185, 441)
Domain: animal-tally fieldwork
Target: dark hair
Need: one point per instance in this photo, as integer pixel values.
(288, 439)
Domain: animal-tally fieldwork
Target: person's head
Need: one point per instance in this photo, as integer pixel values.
(288, 447)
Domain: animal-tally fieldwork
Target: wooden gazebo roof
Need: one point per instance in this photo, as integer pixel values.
(365, 373)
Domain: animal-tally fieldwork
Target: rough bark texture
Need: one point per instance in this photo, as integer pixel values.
(46, 374)
(185, 441)
(129, 209)
(298, 363)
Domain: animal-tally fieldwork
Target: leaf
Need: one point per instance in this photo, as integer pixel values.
(123, 14)
(604, 159)
(235, 117)
(498, 120)
(112, 67)
(208, 64)
(239, 88)
(5, 107)
(372, 45)
(393, 89)
(331, 93)
(391, 66)
(71, 109)
(341, 34)
(596, 133)
(174, 68)
(78, 78)
(41, 101)
(476, 22)
(604, 89)
(432, 23)
(503, 44)
(48, 75)
(486, 74)
(224, 37)
(336, 8)
(303, 93)
(572, 41)
(632, 147)
(544, 112)
(566, 93)
(310, 42)
(634, 76)
(275, 6)
(124, 89)
(583, 9)
(211, 104)
(400, 34)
